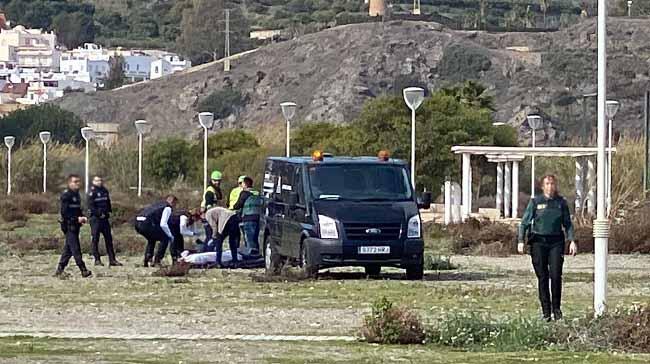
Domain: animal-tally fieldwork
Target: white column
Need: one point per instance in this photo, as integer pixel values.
(515, 189)
(507, 179)
(469, 187)
(532, 170)
(601, 224)
(466, 186)
(591, 182)
(579, 184)
(447, 202)
(499, 194)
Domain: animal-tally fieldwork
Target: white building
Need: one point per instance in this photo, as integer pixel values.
(29, 49)
(168, 64)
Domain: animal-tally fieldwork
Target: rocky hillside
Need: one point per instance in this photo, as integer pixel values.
(330, 74)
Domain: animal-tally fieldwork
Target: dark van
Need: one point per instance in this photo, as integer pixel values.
(329, 212)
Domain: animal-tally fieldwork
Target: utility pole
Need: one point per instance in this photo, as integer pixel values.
(226, 54)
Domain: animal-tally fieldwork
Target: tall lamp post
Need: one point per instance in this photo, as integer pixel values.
(535, 122)
(289, 112)
(413, 96)
(629, 8)
(206, 119)
(9, 142)
(142, 127)
(611, 108)
(601, 224)
(87, 133)
(45, 138)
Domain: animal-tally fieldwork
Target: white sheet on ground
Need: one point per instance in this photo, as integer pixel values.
(207, 258)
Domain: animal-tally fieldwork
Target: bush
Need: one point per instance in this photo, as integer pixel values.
(462, 62)
(223, 103)
(170, 159)
(477, 237)
(472, 331)
(14, 213)
(35, 203)
(388, 324)
(25, 124)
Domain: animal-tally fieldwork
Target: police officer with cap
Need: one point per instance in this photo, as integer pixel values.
(99, 206)
(548, 222)
(71, 221)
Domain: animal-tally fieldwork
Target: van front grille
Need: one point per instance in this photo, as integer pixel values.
(369, 231)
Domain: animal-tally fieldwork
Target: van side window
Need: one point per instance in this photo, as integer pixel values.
(287, 181)
(297, 185)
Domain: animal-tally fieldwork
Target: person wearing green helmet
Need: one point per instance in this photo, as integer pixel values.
(234, 194)
(211, 197)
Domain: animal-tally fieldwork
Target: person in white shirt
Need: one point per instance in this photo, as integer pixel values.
(181, 225)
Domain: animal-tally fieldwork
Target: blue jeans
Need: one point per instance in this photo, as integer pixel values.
(251, 235)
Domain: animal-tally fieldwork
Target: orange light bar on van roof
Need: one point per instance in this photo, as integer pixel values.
(383, 155)
(317, 156)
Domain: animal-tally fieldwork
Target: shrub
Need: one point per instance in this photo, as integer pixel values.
(223, 103)
(25, 124)
(37, 244)
(471, 330)
(388, 324)
(478, 237)
(170, 159)
(13, 212)
(463, 62)
(37, 204)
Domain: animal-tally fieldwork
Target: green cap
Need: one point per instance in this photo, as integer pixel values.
(241, 179)
(216, 175)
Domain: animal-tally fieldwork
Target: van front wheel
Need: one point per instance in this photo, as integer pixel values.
(373, 270)
(415, 272)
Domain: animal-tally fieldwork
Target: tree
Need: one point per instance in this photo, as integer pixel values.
(74, 29)
(116, 76)
(202, 35)
(26, 124)
(170, 159)
(471, 93)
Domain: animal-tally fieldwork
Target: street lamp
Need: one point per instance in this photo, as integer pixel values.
(142, 127)
(206, 119)
(601, 224)
(629, 8)
(288, 111)
(611, 108)
(535, 122)
(9, 142)
(45, 138)
(413, 96)
(498, 123)
(87, 133)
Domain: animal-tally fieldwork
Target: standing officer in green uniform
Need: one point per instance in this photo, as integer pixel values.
(211, 198)
(545, 217)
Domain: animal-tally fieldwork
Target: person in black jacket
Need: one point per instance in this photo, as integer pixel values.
(71, 221)
(99, 207)
(153, 223)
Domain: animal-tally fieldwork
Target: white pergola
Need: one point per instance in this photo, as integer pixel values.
(507, 161)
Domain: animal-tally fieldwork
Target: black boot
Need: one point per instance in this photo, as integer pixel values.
(98, 262)
(546, 314)
(557, 314)
(86, 273)
(114, 263)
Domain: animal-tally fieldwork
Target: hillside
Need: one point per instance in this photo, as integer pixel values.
(331, 73)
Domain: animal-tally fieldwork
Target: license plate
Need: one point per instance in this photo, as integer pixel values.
(374, 250)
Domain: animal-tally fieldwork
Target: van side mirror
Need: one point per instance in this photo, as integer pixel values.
(292, 199)
(424, 201)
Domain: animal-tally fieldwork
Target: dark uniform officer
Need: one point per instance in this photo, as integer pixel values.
(71, 221)
(99, 206)
(545, 217)
(153, 224)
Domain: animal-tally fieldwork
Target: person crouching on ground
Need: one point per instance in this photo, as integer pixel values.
(224, 222)
(153, 224)
(548, 222)
(181, 226)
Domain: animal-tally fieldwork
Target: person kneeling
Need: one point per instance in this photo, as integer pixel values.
(224, 223)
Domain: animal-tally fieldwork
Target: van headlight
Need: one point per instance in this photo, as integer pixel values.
(328, 229)
(414, 227)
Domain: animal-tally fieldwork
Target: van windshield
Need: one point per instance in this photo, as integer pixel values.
(359, 182)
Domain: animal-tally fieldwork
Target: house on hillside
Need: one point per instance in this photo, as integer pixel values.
(12, 92)
(137, 67)
(167, 65)
(29, 49)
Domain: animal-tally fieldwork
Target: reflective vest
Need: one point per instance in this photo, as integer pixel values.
(234, 196)
(253, 205)
(209, 189)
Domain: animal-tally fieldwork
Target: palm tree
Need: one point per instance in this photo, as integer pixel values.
(471, 93)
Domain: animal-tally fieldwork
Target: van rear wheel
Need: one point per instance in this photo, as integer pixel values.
(272, 260)
(373, 270)
(309, 268)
